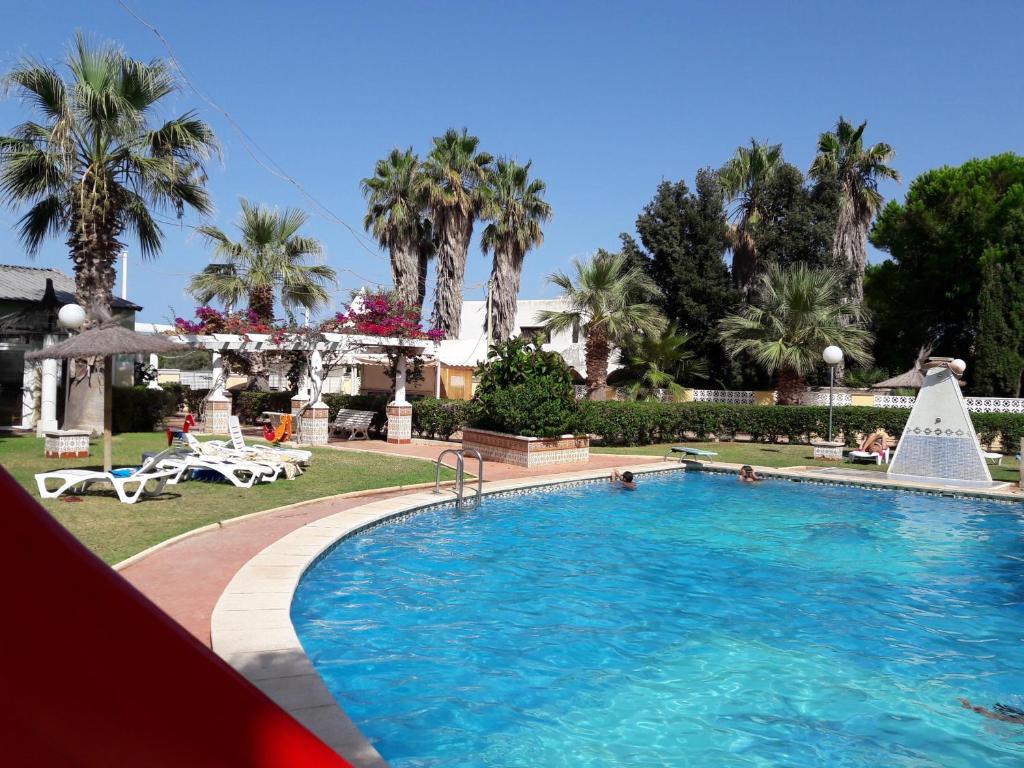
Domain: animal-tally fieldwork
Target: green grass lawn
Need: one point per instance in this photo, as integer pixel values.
(115, 531)
(772, 455)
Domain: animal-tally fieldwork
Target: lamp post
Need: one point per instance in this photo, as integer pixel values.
(833, 356)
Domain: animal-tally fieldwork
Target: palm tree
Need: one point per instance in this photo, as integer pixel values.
(798, 312)
(394, 214)
(843, 157)
(608, 301)
(456, 173)
(96, 167)
(744, 180)
(269, 258)
(426, 250)
(515, 207)
(656, 362)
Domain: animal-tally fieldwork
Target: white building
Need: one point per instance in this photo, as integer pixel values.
(470, 349)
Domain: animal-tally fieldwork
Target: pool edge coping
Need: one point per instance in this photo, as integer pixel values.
(251, 627)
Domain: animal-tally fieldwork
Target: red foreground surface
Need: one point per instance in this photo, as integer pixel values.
(94, 674)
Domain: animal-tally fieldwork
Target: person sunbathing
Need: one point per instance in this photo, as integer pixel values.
(874, 443)
(1003, 712)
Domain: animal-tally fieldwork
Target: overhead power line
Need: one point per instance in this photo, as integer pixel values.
(248, 143)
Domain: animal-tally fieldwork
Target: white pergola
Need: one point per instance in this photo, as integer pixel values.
(337, 348)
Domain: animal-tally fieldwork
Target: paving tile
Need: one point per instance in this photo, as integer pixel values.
(339, 733)
(230, 641)
(242, 601)
(265, 618)
(295, 692)
(263, 665)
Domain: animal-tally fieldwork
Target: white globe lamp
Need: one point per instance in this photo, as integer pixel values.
(71, 316)
(832, 355)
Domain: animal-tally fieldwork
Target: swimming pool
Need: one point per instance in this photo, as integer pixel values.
(695, 622)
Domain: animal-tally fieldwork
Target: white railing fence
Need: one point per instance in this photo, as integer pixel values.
(821, 398)
(995, 404)
(730, 396)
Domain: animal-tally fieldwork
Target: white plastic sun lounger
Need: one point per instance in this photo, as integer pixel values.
(215, 452)
(129, 484)
(241, 474)
(878, 458)
(238, 445)
(686, 450)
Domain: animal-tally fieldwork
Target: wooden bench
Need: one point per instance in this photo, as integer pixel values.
(353, 422)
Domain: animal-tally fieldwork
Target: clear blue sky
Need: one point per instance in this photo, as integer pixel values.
(607, 99)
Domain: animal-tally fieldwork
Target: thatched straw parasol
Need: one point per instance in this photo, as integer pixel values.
(912, 379)
(105, 341)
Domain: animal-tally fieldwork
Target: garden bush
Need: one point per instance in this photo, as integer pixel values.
(644, 423)
(435, 418)
(249, 406)
(140, 409)
(525, 391)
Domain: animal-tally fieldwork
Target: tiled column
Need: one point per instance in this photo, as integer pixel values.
(315, 424)
(298, 403)
(218, 411)
(399, 423)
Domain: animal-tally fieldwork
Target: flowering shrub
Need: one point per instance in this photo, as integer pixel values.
(380, 314)
(209, 320)
(375, 314)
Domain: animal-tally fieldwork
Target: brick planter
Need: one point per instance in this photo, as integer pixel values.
(527, 451)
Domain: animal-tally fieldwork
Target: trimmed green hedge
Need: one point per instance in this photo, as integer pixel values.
(441, 418)
(622, 423)
(140, 409)
(644, 423)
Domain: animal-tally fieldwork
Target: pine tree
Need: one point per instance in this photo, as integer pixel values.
(999, 349)
(683, 237)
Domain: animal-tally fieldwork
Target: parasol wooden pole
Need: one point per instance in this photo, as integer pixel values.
(108, 411)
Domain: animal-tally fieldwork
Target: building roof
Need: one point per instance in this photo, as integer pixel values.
(19, 283)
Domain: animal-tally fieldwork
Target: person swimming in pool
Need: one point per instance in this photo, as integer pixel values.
(748, 475)
(625, 480)
(1003, 712)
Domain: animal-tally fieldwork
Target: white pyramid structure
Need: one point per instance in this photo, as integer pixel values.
(939, 440)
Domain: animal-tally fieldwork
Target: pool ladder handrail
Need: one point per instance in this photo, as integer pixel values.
(460, 474)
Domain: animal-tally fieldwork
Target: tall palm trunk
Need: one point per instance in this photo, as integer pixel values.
(94, 249)
(598, 350)
(405, 272)
(421, 277)
(506, 272)
(744, 258)
(849, 245)
(261, 301)
(456, 230)
(789, 384)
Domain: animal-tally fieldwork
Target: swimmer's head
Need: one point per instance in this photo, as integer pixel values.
(627, 476)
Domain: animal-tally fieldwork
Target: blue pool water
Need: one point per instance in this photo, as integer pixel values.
(694, 622)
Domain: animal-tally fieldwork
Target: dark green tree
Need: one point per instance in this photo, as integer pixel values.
(999, 350)
(930, 291)
(683, 237)
(798, 223)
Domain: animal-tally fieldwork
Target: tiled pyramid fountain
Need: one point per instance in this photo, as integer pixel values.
(939, 442)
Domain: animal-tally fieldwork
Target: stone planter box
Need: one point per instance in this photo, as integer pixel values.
(527, 451)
